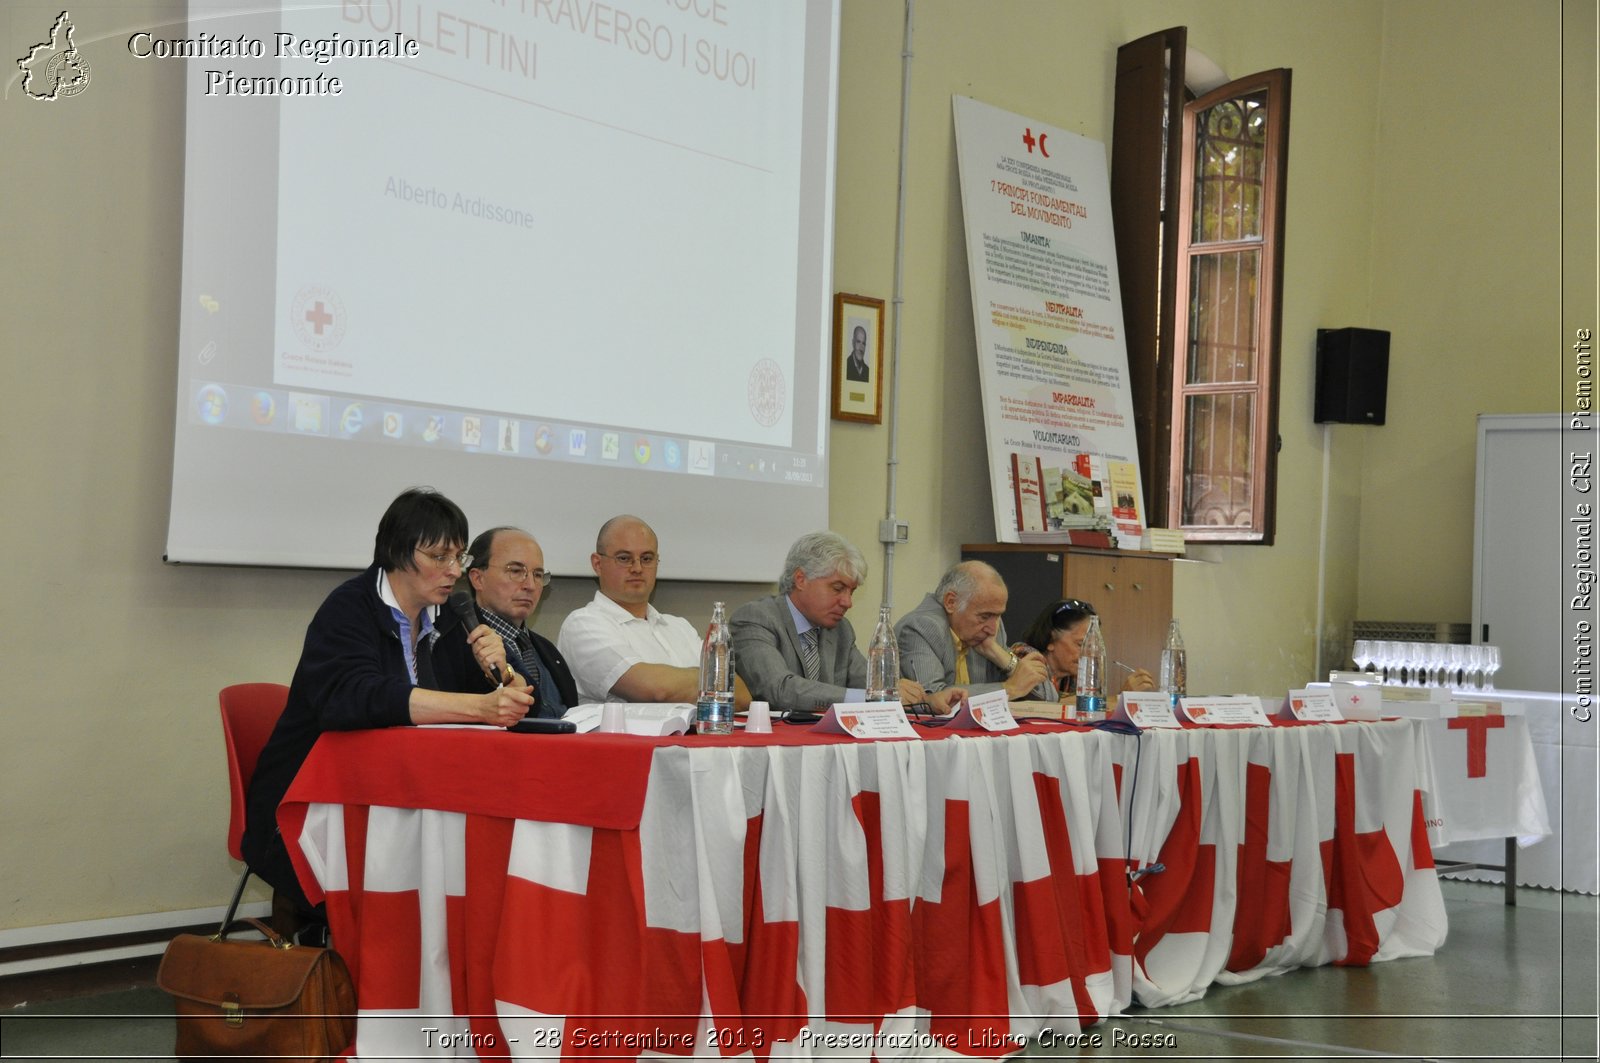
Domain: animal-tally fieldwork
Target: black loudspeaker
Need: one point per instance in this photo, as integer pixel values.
(1352, 375)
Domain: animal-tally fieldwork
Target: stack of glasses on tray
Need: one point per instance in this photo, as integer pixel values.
(1430, 664)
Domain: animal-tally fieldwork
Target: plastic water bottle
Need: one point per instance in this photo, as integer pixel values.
(883, 661)
(1092, 674)
(1174, 665)
(713, 713)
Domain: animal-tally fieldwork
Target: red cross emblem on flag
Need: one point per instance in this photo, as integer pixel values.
(1477, 728)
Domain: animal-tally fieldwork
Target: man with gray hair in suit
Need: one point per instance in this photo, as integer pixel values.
(795, 650)
(955, 637)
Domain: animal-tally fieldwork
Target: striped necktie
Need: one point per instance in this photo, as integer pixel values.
(810, 661)
(962, 677)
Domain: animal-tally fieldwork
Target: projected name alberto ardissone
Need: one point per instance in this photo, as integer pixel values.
(471, 206)
(691, 46)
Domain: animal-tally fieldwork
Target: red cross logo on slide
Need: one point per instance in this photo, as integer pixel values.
(1029, 139)
(319, 317)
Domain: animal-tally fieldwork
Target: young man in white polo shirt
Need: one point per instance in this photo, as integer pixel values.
(619, 645)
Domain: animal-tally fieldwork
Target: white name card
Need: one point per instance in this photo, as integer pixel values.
(1311, 705)
(1228, 709)
(1421, 703)
(1146, 708)
(987, 712)
(866, 719)
(1478, 705)
(1401, 695)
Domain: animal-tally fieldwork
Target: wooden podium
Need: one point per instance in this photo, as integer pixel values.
(1131, 591)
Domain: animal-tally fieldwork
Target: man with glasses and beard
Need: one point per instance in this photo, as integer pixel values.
(619, 645)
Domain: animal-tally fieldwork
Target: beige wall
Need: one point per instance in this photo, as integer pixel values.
(1053, 62)
(1466, 273)
(114, 800)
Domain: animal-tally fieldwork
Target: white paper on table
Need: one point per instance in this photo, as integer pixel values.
(1225, 709)
(1146, 708)
(1311, 705)
(986, 712)
(649, 718)
(1486, 704)
(866, 719)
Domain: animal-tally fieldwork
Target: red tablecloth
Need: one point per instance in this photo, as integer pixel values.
(528, 896)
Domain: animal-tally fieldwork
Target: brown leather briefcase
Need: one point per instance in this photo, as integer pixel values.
(265, 999)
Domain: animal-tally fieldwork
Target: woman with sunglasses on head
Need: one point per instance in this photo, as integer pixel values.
(1057, 634)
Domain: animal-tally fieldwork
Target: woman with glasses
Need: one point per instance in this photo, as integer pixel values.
(1057, 633)
(369, 661)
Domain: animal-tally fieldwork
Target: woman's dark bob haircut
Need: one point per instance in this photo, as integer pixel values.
(420, 517)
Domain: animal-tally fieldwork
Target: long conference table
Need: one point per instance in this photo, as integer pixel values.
(804, 896)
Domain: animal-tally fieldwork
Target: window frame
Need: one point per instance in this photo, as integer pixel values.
(1151, 170)
(1267, 316)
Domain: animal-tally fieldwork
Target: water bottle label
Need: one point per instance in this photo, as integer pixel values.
(713, 716)
(1091, 703)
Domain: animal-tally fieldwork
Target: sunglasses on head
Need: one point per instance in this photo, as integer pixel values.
(1074, 605)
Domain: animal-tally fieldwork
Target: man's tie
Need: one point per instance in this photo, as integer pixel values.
(810, 661)
(530, 659)
(962, 678)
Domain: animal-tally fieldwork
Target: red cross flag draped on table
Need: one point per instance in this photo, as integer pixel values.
(1485, 780)
(817, 897)
(1279, 847)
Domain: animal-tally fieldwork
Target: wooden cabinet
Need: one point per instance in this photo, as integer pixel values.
(1132, 593)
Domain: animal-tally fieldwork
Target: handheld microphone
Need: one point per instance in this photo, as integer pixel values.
(462, 605)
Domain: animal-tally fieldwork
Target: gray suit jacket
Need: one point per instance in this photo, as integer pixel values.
(766, 654)
(928, 652)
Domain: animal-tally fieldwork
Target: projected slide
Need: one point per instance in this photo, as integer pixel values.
(591, 239)
(549, 201)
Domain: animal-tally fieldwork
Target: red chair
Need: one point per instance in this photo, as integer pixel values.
(249, 713)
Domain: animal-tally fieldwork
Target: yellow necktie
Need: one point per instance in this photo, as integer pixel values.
(962, 677)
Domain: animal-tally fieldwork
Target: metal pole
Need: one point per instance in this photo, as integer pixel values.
(898, 303)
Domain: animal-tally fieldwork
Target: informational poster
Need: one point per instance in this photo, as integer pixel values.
(1047, 308)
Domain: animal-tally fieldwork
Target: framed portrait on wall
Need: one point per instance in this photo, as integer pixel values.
(857, 358)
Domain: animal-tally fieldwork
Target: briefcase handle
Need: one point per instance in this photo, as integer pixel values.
(275, 939)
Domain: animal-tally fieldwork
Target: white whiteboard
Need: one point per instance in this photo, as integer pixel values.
(1517, 584)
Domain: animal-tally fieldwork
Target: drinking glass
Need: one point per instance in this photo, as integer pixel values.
(1409, 660)
(1472, 679)
(1385, 658)
(1456, 657)
(1419, 663)
(1438, 655)
(1491, 665)
(1361, 653)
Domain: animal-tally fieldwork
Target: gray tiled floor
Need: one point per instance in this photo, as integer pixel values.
(1499, 989)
